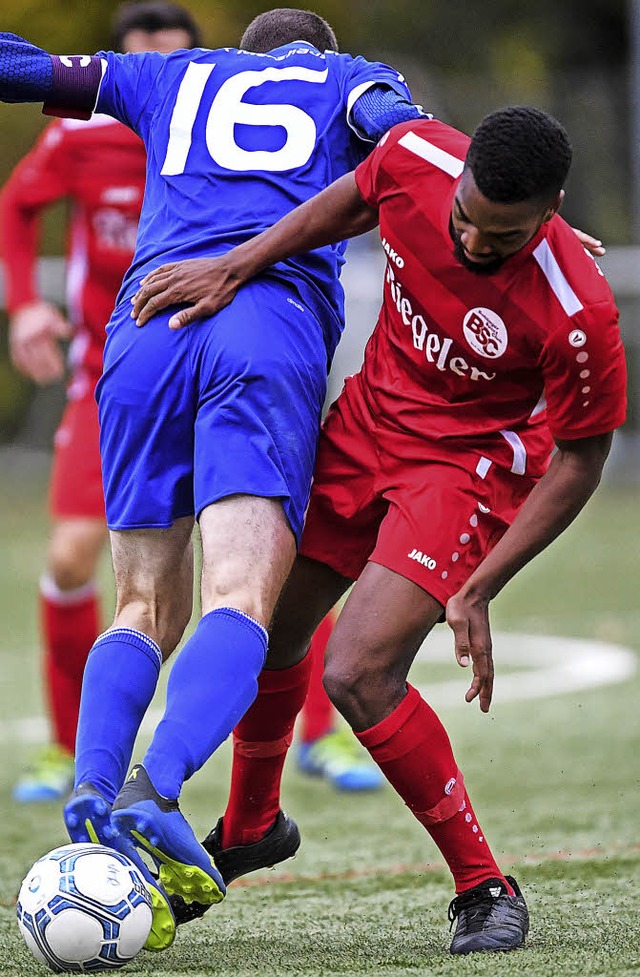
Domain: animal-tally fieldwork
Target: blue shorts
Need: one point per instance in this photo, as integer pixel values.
(228, 405)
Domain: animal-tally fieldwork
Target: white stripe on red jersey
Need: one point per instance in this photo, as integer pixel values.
(559, 284)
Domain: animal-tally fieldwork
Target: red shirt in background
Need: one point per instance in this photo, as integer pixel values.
(99, 166)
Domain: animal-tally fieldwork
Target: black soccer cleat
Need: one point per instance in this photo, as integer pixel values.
(281, 841)
(489, 918)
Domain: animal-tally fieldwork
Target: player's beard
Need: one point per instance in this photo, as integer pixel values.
(477, 267)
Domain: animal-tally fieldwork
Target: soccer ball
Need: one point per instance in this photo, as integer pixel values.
(84, 908)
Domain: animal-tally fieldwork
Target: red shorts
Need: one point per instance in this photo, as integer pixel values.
(75, 489)
(391, 497)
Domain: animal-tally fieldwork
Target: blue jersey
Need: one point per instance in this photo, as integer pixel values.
(235, 140)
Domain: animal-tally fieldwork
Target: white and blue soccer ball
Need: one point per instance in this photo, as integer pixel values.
(84, 908)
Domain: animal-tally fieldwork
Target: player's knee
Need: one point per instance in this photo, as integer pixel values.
(248, 551)
(68, 568)
(252, 597)
(361, 690)
(239, 600)
(164, 622)
(346, 686)
(74, 551)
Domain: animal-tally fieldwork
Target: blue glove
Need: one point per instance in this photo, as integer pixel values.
(26, 71)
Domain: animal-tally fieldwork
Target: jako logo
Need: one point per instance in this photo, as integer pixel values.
(485, 332)
(448, 787)
(393, 255)
(422, 558)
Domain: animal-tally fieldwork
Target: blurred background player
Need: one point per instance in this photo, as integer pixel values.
(99, 167)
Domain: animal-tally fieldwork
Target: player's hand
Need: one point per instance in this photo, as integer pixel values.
(206, 284)
(35, 331)
(469, 620)
(591, 244)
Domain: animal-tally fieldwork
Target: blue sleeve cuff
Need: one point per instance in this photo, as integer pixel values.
(379, 108)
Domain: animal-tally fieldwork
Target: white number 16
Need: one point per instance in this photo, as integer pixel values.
(228, 109)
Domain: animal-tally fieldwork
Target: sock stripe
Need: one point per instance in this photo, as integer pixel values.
(50, 591)
(267, 748)
(238, 613)
(247, 620)
(448, 806)
(136, 638)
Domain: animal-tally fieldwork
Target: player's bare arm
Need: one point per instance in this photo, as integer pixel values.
(35, 332)
(571, 479)
(209, 284)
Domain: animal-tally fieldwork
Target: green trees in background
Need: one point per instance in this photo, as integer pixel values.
(462, 58)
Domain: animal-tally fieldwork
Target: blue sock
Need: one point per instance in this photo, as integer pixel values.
(211, 686)
(119, 680)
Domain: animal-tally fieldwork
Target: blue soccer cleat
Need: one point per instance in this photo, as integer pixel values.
(49, 778)
(338, 759)
(87, 816)
(153, 824)
(163, 923)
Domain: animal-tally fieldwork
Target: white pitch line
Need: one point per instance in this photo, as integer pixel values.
(547, 665)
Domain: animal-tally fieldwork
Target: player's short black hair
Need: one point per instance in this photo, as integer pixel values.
(519, 153)
(152, 16)
(283, 25)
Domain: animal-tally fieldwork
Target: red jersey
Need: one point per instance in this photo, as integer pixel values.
(500, 362)
(100, 166)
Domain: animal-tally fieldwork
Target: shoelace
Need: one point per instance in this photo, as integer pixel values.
(473, 899)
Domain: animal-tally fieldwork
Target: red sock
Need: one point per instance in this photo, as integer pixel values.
(70, 625)
(318, 717)
(412, 749)
(260, 743)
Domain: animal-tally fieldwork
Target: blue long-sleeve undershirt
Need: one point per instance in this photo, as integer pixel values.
(379, 108)
(26, 71)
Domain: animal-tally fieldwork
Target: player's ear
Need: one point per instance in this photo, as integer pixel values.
(554, 208)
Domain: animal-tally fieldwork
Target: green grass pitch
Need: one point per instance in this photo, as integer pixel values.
(554, 780)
